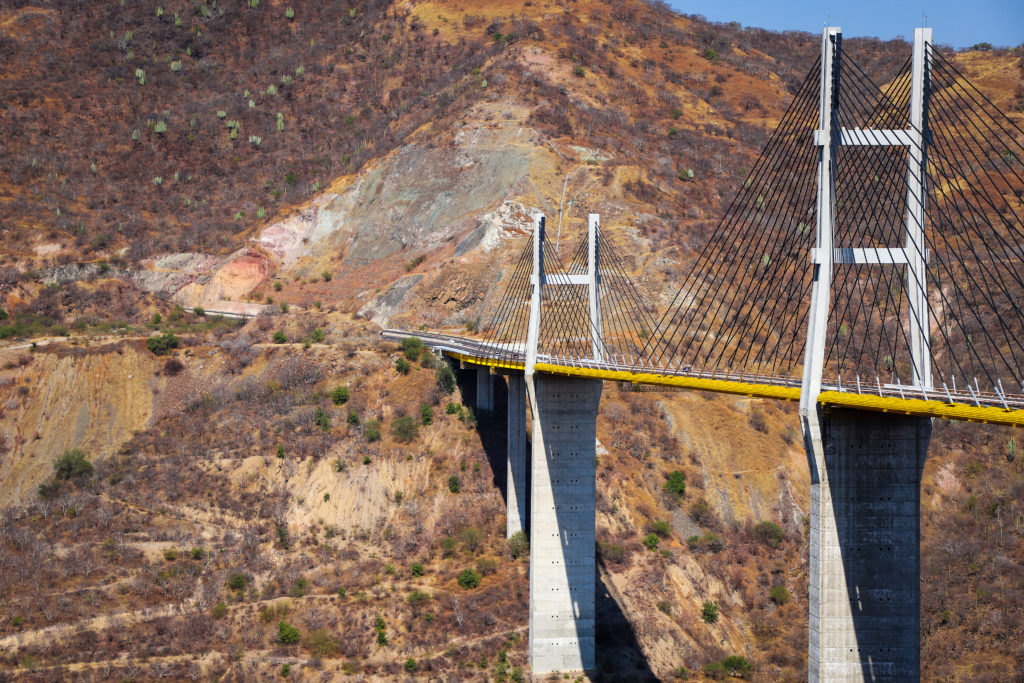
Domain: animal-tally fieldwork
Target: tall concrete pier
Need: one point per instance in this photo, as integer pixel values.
(562, 563)
(865, 545)
(515, 481)
(484, 389)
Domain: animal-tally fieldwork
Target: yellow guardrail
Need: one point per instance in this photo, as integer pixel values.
(488, 362)
(883, 404)
(923, 408)
(720, 385)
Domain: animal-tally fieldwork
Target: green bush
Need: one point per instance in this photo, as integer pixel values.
(715, 671)
(519, 545)
(426, 414)
(72, 464)
(326, 276)
(317, 335)
(448, 546)
(662, 528)
(340, 396)
(769, 532)
(708, 542)
(710, 54)
(219, 610)
(779, 595)
(426, 358)
(445, 377)
(287, 634)
(162, 344)
(279, 337)
(405, 429)
(411, 666)
(285, 670)
(675, 483)
(237, 582)
(381, 628)
(200, 311)
(454, 484)
(469, 579)
(402, 366)
(322, 419)
(418, 597)
(416, 569)
(701, 513)
(472, 538)
(709, 612)
(651, 541)
(611, 553)
(412, 347)
(453, 408)
(737, 666)
(371, 430)
(353, 417)
(321, 643)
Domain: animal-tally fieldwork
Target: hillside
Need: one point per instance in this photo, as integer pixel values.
(398, 152)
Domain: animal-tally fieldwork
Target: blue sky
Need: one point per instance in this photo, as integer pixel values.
(955, 22)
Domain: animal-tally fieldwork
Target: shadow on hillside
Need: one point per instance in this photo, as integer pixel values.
(619, 657)
(491, 425)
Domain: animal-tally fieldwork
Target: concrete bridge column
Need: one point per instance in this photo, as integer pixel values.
(515, 481)
(562, 507)
(484, 389)
(865, 544)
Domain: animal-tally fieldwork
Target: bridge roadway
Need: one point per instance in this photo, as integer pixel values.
(970, 406)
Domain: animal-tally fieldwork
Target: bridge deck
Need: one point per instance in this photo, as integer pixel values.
(969, 407)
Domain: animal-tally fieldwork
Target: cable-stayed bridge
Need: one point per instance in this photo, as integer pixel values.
(870, 267)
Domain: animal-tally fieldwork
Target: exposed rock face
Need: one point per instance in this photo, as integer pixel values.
(71, 399)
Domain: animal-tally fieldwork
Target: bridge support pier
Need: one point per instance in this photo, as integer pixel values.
(484, 389)
(865, 593)
(562, 507)
(515, 481)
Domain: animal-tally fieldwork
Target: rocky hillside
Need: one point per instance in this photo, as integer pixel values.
(327, 167)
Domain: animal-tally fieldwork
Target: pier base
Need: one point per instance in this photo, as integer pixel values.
(865, 563)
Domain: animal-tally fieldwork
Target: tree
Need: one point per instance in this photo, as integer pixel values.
(769, 532)
(405, 429)
(445, 377)
(469, 579)
(779, 595)
(709, 612)
(518, 545)
(661, 528)
(738, 666)
(402, 366)
(371, 429)
(322, 419)
(162, 344)
(412, 347)
(72, 464)
(287, 634)
(675, 483)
